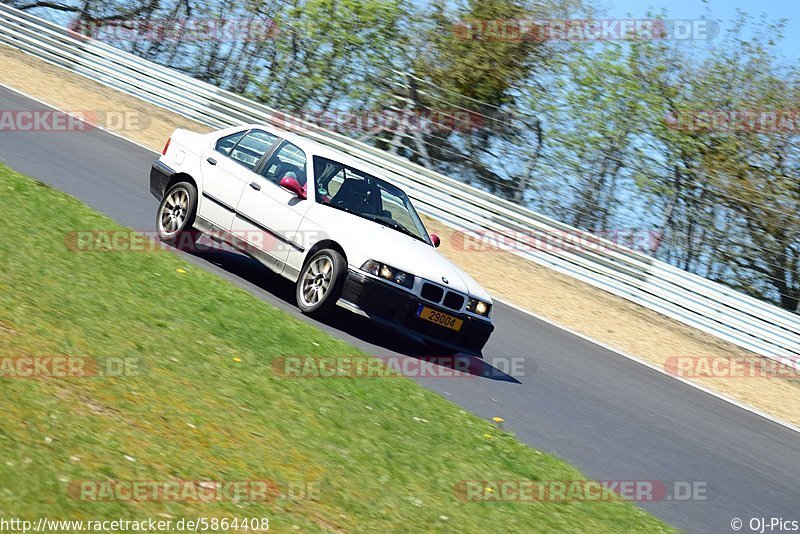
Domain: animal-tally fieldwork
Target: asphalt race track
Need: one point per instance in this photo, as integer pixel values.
(611, 417)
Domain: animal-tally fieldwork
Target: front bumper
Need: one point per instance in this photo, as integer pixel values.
(397, 308)
(160, 176)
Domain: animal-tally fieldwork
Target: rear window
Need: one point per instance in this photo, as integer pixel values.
(225, 144)
(252, 148)
(248, 147)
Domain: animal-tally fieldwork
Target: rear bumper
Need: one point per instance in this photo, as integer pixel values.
(398, 309)
(160, 176)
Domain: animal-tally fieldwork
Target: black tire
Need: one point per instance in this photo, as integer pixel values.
(176, 214)
(317, 289)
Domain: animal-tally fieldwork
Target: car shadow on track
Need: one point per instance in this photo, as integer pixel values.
(252, 271)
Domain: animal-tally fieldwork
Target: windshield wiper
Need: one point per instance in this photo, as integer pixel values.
(394, 225)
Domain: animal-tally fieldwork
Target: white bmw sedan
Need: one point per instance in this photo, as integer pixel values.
(327, 222)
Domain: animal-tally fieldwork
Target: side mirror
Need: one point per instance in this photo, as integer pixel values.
(435, 240)
(291, 184)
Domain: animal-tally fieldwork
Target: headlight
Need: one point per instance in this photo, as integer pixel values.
(389, 273)
(479, 307)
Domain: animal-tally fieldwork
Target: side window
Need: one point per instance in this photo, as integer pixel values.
(289, 160)
(252, 147)
(225, 144)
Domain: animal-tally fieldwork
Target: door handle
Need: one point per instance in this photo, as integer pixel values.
(255, 186)
(212, 161)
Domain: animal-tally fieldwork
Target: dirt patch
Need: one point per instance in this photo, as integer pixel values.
(129, 116)
(564, 300)
(5, 329)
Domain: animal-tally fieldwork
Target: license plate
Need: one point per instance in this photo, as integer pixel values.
(442, 319)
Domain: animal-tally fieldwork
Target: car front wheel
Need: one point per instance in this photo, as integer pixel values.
(320, 284)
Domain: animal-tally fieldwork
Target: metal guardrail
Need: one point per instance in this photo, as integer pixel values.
(708, 306)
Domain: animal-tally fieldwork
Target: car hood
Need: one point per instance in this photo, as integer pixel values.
(363, 239)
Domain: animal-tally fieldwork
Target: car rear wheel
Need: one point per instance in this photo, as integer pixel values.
(176, 213)
(320, 284)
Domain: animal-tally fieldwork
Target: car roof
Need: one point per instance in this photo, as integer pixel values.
(318, 149)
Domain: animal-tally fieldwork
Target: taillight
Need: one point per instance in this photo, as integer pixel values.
(163, 152)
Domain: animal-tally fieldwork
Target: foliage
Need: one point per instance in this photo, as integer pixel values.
(584, 132)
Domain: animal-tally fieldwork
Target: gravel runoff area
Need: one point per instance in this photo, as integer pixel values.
(602, 316)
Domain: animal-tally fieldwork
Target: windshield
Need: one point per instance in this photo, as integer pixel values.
(359, 193)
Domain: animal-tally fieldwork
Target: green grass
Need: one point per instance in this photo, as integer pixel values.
(196, 414)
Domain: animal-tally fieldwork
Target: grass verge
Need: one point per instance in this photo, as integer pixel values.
(206, 405)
